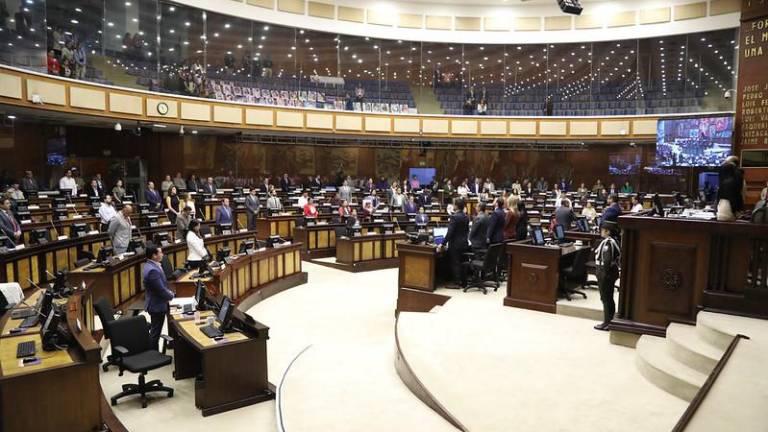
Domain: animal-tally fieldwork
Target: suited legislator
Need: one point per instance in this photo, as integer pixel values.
(157, 293)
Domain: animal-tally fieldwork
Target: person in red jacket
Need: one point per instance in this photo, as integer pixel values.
(54, 67)
(310, 211)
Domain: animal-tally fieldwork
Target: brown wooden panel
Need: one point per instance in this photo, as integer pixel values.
(672, 273)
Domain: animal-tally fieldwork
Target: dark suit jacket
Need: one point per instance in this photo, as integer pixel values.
(29, 185)
(564, 216)
(422, 218)
(409, 207)
(285, 184)
(93, 192)
(209, 188)
(223, 216)
(478, 234)
(157, 295)
(6, 224)
(458, 230)
(153, 198)
(263, 188)
(496, 226)
(193, 186)
(612, 213)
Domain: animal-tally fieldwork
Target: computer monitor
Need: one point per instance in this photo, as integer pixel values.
(47, 304)
(128, 198)
(22, 205)
(273, 240)
(60, 214)
(137, 245)
(143, 208)
(105, 253)
(222, 254)
(225, 314)
(152, 220)
(200, 292)
(438, 235)
(388, 228)
(59, 203)
(78, 230)
(23, 215)
(6, 244)
(538, 236)
(49, 331)
(559, 233)
(225, 229)
(39, 236)
(246, 246)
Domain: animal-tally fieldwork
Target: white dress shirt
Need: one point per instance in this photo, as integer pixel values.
(302, 202)
(106, 213)
(462, 190)
(68, 183)
(637, 208)
(195, 247)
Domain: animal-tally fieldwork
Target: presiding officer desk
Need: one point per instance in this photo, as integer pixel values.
(534, 273)
(62, 391)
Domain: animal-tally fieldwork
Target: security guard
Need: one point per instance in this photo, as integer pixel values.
(607, 257)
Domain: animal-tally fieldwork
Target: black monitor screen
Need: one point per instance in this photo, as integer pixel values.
(582, 225)
(538, 236)
(199, 292)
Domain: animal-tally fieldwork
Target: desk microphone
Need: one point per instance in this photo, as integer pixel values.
(54, 229)
(74, 207)
(201, 214)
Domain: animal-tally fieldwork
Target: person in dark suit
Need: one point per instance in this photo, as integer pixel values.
(613, 211)
(153, 197)
(422, 219)
(209, 187)
(8, 224)
(156, 292)
(476, 187)
(193, 185)
(252, 207)
(496, 224)
(457, 242)
(99, 184)
(29, 183)
(564, 215)
(264, 186)
(285, 182)
(224, 213)
(93, 189)
(410, 206)
(478, 234)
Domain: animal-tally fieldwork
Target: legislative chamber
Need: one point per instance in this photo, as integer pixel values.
(430, 215)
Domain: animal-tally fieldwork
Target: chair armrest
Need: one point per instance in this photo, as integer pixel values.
(120, 350)
(166, 340)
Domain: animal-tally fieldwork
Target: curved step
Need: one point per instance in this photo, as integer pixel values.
(685, 344)
(656, 364)
(712, 330)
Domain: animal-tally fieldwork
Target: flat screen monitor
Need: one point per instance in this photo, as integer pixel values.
(538, 236)
(105, 253)
(559, 233)
(40, 236)
(199, 293)
(694, 141)
(56, 151)
(582, 225)
(222, 254)
(246, 245)
(438, 235)
(225, 314)
(78, 230)
(425, 175)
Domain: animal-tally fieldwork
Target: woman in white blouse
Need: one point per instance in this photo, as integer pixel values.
(189, 202)
(196, 251)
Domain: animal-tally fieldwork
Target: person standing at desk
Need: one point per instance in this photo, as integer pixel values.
(273, 202)
(496, 225)
(120, 230)
(637, 206)
(153, 197)
(511, 218)
(607, 268)
(182, 222)
(29, 183)
(193, 185)
(457, 242)
(344, 209)
(8, 223)
(209, 187)
(478, 233)
(224, 213)
(564, 215)
(196, 251)
(252, 207)
(106, 212)
(157, 293)
(172, 203)
(118, 192)
(68, 183)
(613, 211)
(310, 211)
(730, 192)
(285, 183)
(588, 211)
(345, 192)
(421, 218)
(410, 206)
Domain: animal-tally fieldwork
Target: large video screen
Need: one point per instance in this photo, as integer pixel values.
(624, 163)
(425, 175)
(688, 142)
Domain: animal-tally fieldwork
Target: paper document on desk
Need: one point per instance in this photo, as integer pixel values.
(181, 301)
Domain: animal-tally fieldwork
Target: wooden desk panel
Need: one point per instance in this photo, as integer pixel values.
(368, 252)
(418, 264)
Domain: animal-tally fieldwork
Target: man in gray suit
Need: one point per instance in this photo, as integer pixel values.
(273, 202)
(120, 230)
(345, 192)
(478, 234)
(252, 206)
(564, 215)
(182, 223)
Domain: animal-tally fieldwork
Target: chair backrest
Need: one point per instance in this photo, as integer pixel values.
(131, 333)
(492, 256)
(580, 263)
(106, 315)
(167, 267)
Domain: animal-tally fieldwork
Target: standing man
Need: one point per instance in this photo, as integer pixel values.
(478, 234)
(252, 207)
(457, 243)
(8, 224)
(224, 213)
(345, 192)
(564, 214)
(613, 211)
(29, 183)
(192, 184)
(730, 191)
(285, 182)
(179, 182)
(496, 224)
(68, 183)
(273, 202)
(209, 187)
(153, 197)
(99, 184)
(182, 222)
(120, 230)
(106, 212)
(157, 293)
(607, 268)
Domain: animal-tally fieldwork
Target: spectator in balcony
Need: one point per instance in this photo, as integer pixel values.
(80, 61)
(349, 103)
(54, 67)
(548, 106)
(482, 107)
(267, 68)
(359, 94)
(469, 106)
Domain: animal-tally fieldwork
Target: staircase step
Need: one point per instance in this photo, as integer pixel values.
(656, 363)
(714, 330)
(686, 345)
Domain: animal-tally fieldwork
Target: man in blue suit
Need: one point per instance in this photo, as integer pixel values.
(153, 197)
(613, 211)
(224, 213)
(496, 225)
(156, 292)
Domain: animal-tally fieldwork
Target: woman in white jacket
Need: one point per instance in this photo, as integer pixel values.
(196, 251)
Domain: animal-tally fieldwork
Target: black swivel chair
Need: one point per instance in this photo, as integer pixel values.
(133, 352)
(107, 317)
(483, 267)
(575, 275)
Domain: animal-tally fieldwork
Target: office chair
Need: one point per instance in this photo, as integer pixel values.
(574, 275)
(133, 352)
(107, 316)
(483, 267)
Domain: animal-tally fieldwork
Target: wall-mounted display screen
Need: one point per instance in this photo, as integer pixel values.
(698, 141)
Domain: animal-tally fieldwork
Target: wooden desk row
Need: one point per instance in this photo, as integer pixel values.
(368, 252)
